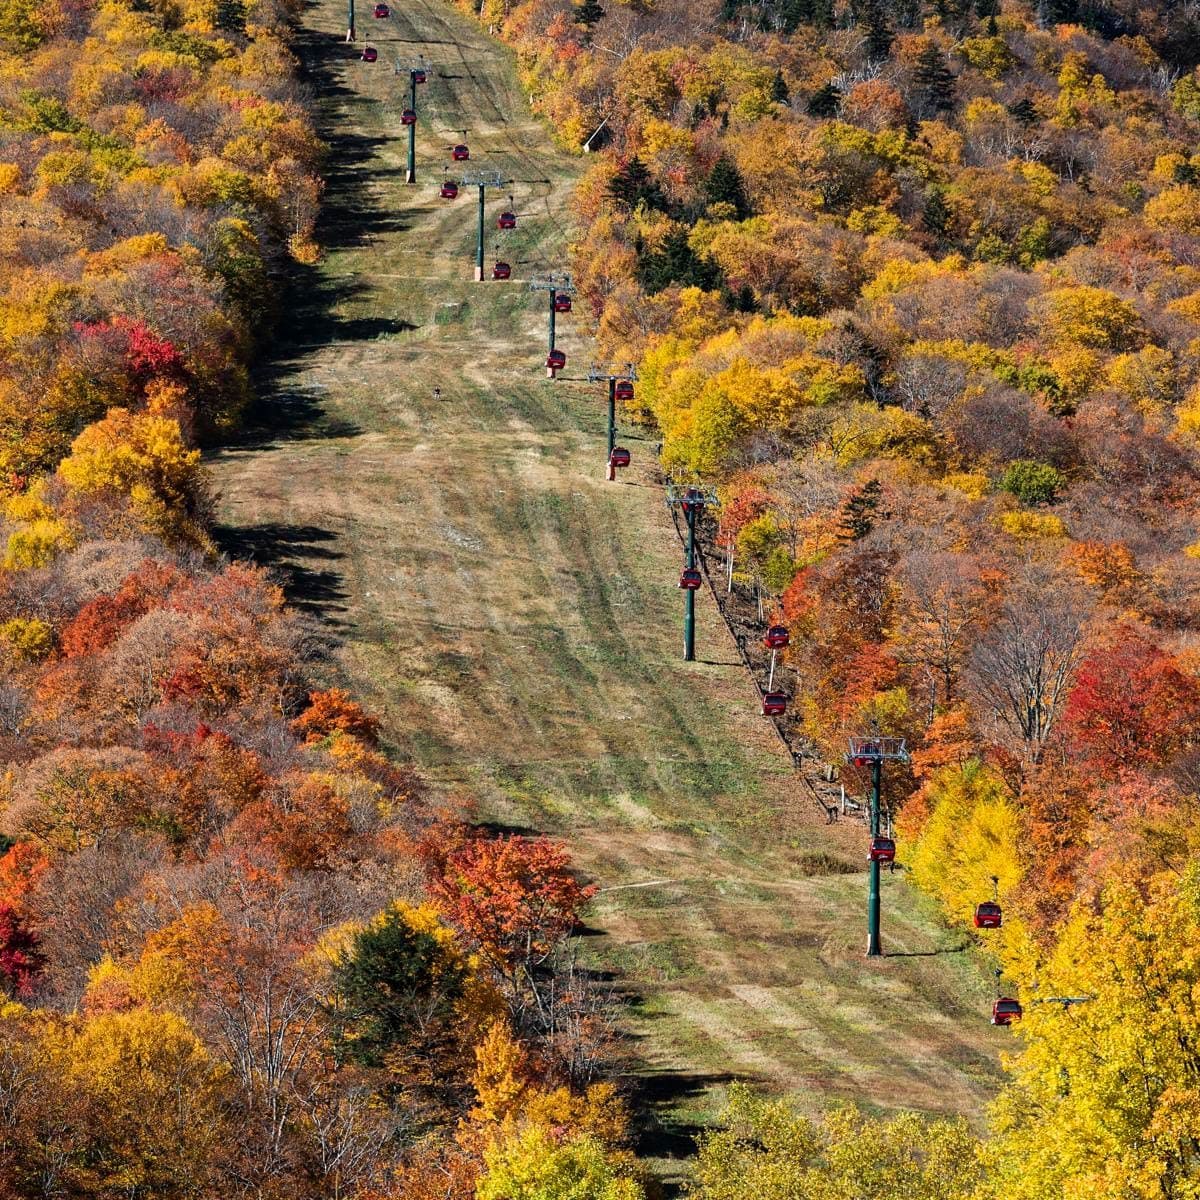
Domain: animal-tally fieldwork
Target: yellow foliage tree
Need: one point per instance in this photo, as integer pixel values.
(157, 1102)
(533, 1165)
(27, 639)
(1028, 525)
(142, 457)
(1094, 317)
(970, 836)
(1175, 209)
(1105, 1102)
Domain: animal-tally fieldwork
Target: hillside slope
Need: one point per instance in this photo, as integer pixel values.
(516, 620)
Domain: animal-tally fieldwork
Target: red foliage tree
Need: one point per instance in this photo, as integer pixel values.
(99, 622)
(150, 356)
(21, 960)
(1130, 706)
(21, 867)
(333, 711)
(514, 896)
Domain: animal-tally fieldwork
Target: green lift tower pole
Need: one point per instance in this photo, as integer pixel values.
(689, 595)
(418, 72)
(873, 752)
(482, 179)
(693, 500)
(612, 414)
(350, 21)
(411, 174)
(553, 284)
(874, 946)
(479, 239)
(612, 378)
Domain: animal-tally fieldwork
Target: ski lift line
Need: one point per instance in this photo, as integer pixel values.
(797, 761)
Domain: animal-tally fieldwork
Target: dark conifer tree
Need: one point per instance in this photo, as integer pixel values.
(871, 16)
(817, 13)
(632, 185)
(824, 102)
(861, 511)
(935, 215)
(588, 14)
(393, 989)
(933, 79)
(724, 186)
(1023, 112)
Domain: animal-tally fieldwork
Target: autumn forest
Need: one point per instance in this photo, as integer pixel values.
(913, 286)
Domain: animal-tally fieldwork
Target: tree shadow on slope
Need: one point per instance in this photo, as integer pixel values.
(286, 406)
(289, 552)
(655, 1096)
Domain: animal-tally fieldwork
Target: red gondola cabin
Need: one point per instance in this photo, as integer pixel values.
(692, 498)
(883, 849)
(507, 220)
(619, 457)
(460, 153)
(408, 117)
(988, 915)
(382, 11)
(1006, 1010)
(369, 54)
(449, 190)
(774, 704)
(691, 579)
(562, 302)
(777, 637)
(556, 360)
(418, 76)
(624, 389)
(502, 271)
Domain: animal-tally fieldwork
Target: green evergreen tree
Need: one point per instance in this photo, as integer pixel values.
(825, 101)
(936, 214)
(678, 263)
(740, 301)
(1057, 12)
(724, 186)
(393, 989)
(933, 79)
(779, 89)
(632, 185)
(879, 36)
(231, 16)
(817, 13)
